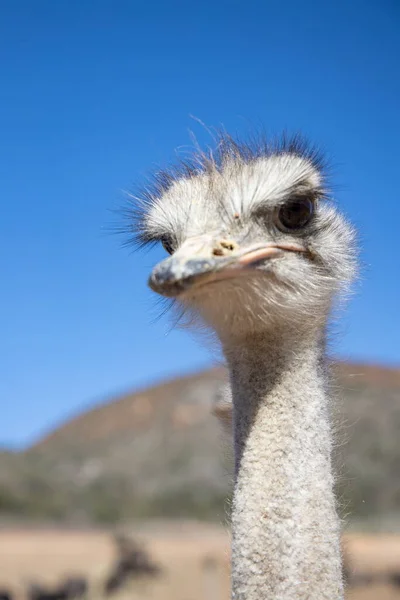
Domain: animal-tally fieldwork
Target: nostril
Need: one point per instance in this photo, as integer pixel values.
(228, 245)
(224, 247)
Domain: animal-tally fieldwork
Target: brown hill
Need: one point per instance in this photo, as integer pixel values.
(159, 451)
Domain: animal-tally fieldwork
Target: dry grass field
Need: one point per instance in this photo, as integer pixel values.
(194, 559)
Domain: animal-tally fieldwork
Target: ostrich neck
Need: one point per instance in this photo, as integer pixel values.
(286, 535)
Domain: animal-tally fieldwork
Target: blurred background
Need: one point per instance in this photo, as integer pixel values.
(115, 477)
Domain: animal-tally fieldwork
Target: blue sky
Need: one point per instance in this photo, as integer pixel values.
(96, 93)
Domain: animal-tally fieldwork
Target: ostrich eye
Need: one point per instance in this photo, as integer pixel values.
(295, 214)
(168, 244)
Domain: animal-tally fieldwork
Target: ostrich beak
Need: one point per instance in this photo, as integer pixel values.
(185, 270)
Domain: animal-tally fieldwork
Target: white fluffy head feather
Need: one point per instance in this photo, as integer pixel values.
(234, 194)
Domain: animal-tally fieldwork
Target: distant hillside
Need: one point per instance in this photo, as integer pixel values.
(160, 452)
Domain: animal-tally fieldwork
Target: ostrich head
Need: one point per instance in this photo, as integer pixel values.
(252, 237)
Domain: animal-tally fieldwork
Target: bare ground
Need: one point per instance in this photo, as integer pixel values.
(194, 558)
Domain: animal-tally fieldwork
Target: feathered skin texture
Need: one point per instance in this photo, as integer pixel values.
(227, 151)
(266, 289)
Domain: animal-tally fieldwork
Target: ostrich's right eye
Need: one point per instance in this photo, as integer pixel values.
(168, 244)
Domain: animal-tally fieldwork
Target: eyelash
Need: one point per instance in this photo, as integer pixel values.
(168, 243)
(267, 216)
(270, 216)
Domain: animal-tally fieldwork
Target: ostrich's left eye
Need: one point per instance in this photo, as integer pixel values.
(295, 214)
(168, 244)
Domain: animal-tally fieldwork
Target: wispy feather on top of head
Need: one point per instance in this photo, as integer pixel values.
(208, 161)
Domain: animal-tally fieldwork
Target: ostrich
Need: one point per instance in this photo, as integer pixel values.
(258, 253)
